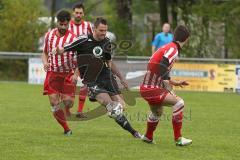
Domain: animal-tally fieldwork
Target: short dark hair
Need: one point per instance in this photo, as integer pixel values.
(100, 20)
(181, 33)
(63, 15)
(78, 5)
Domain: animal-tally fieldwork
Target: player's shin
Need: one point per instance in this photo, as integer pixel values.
(66, 106)
(81, 101)
(152, 123)
(177, 118)
(60, 117)
(115, 110)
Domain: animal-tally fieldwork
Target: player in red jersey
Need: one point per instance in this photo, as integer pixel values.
(60, 82)
(80, 27)
(156, 87)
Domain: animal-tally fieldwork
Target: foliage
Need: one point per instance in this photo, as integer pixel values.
(20, 27)
(214, 26)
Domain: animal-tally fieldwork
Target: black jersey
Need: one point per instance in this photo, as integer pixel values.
(92, 57)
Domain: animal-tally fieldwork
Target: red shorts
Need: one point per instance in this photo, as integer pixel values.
(154, 96)
(59, 83)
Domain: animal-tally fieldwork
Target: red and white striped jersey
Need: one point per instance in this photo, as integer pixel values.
(163, 57)
(84, 28)
(59, 63)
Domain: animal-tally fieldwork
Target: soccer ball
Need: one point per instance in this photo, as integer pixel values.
(116, 111)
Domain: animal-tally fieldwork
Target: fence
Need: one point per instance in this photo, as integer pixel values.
(221, 75)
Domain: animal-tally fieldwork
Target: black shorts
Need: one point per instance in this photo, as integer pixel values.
(105, 85)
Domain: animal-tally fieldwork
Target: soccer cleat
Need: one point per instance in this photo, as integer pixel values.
(68, 133)
(147, 140)
(137, 135)
(183, 141)
(80, 115)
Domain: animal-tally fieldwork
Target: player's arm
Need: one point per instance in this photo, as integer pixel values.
(45, 53)
(164, 72)
(178, 83)
(116, 72)
(112, 66)
(74, 77)
(71, 46)
(45, 61)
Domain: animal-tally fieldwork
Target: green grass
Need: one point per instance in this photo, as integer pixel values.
(28, 130)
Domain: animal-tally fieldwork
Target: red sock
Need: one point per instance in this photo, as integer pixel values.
(177, 125)
(151, 127)
(81, 102)
(82, 98)
(59, 116)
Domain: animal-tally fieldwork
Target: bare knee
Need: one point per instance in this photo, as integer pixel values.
(178, 107)
(154, 116)
(54, 101)
(68, 103)
(159, 112)
(122, 102)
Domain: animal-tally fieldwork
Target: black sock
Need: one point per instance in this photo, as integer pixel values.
(123, 122)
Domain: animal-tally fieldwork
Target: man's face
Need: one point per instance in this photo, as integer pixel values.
(166, 28)
(78, 14)
(62, 27)
(100, 31)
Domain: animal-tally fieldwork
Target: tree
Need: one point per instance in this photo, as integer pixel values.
(20, 31)
(163, 7)
(124, 14)
(220, 20)
(20, 26)
(53, 11)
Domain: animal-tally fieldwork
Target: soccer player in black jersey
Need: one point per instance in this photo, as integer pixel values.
(97, 69)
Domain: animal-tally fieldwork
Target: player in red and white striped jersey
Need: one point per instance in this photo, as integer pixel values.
(60, 82)
(77, 25)
(156, 87)
(80, 27)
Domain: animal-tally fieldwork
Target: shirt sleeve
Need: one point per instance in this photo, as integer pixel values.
(163, 67)
(45, 47)
(75, 44)
(89, 28)
(108, 51)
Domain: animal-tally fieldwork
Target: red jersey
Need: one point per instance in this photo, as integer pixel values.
(59, 63)
(163, 57)
(84, 28)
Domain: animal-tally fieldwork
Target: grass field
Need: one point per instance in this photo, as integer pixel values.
(28, 130)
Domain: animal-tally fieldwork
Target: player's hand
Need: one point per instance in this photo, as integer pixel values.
(183, 83)
(125, 84)
(54, 51)
(74, 78)
(46, 66)
(57, 50)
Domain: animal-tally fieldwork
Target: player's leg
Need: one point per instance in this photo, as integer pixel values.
(119, 98)
(68, 102)
(68, 93)
(52, 88)
(154, 97)
(177, 117)
(152, 122)
(81, 100)
(122, 120)
(58, 112)
(114, 110)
